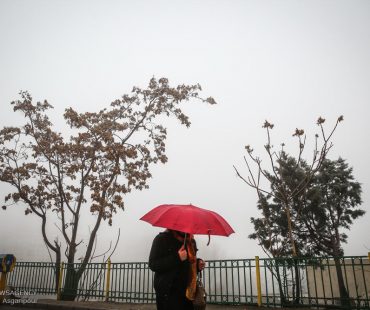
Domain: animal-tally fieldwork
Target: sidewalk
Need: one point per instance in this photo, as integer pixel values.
(52, 304)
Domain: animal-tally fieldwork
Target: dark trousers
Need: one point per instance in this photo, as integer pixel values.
(173, 301)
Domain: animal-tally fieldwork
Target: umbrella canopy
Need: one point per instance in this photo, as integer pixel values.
(189, 219)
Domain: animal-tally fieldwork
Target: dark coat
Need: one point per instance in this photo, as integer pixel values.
(171, 274)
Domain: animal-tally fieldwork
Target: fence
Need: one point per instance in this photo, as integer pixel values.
(310, 282)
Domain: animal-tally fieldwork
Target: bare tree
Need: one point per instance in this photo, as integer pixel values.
(274, 181)
(108, 155)
(279, 183)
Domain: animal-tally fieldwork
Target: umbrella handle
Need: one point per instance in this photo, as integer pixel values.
(209, 237)
(185, 241)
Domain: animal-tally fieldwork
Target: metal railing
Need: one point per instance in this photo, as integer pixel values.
(33, 276)
(308, 282)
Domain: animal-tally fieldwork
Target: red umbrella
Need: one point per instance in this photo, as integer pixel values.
(189, 219)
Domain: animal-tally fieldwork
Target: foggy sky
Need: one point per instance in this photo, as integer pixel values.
(285, 61)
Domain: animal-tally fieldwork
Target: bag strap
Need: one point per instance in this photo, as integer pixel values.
(200, 283)
(199, 279)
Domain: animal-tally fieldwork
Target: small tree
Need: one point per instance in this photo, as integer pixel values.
(278, 181)
(272, 229)
(108, 155)
(330, 205)
(281, 186)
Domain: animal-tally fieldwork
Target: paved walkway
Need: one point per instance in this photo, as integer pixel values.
(37, 303)
(51, 304)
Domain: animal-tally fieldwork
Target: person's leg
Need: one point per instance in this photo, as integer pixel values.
(159, 300)
(176, 301)
(188, 305)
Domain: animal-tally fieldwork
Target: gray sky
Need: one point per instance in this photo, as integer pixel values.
(285, 61)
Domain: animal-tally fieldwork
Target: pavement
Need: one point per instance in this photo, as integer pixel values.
(52, 304)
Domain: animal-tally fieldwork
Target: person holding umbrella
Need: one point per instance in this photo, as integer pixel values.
(174, 262)
(173, 253)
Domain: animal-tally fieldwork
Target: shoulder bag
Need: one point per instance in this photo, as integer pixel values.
(199, 301)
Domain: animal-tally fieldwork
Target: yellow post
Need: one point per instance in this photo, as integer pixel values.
(107, 285)
(60, 280)
(2, 286)
(258, 278)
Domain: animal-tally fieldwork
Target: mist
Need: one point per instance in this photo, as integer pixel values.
(288, 62)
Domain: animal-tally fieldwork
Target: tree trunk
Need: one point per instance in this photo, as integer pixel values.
(344, 296)
(57, 270)
(281, 291)
(73, 276)
(290, 230)
(70, 289)
(297, 294)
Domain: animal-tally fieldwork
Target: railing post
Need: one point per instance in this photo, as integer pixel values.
(258, 279)
(107, 285)
(368, 255)
(60, 280)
